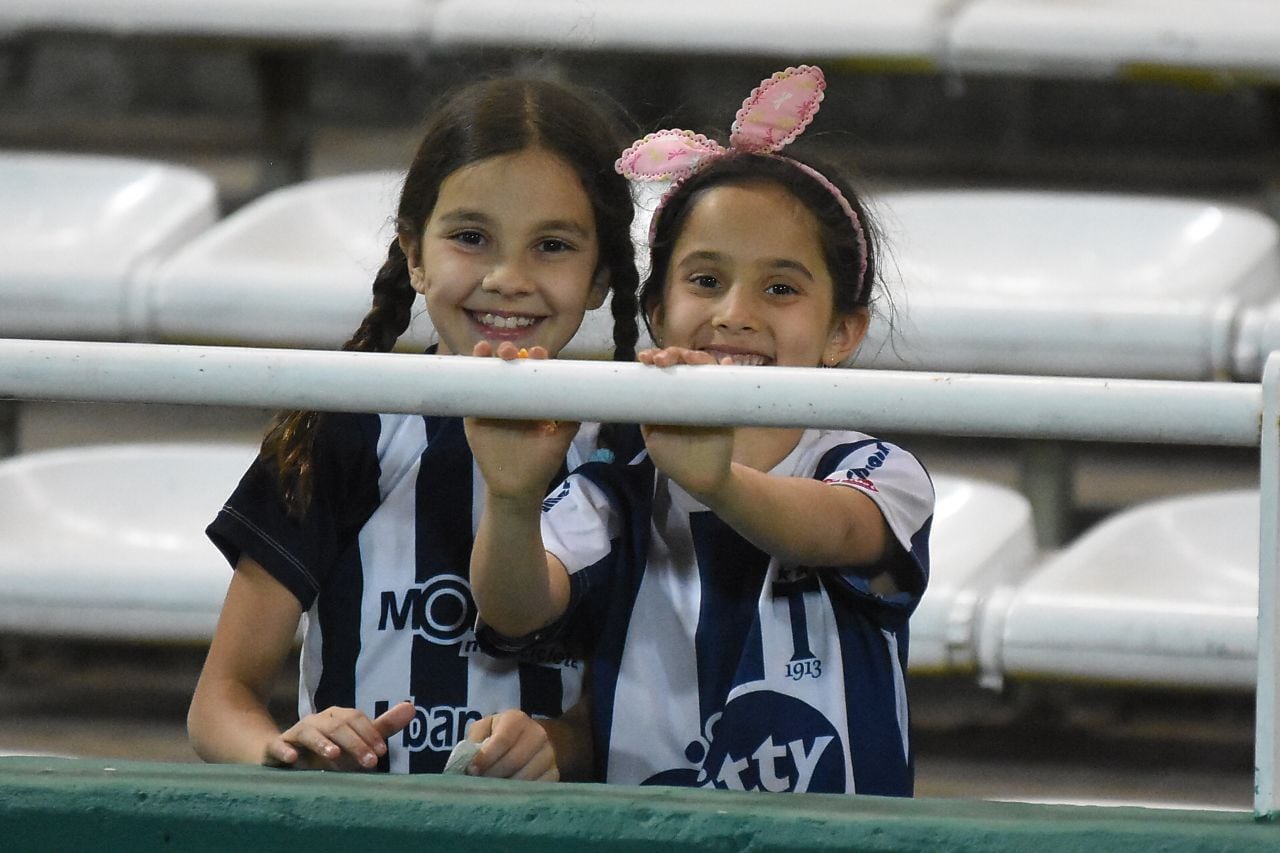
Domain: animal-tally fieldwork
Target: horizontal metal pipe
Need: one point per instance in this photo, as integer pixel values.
(873, 400)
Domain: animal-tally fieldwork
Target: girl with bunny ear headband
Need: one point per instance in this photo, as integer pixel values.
(758, 580)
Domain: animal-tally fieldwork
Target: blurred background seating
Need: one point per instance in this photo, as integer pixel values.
(106, 542)
(80, 234)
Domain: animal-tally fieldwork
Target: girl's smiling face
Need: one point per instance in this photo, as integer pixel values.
(509, 254)
(748, 280)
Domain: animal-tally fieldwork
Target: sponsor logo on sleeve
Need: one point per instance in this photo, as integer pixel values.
(861, 476)
(552, 500)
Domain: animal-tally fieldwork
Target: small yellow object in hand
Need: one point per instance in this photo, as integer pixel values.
(524, 353)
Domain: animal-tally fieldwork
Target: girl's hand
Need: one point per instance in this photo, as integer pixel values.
(515, 746)
(671, 356)
(517, 458)
(698, 458)
(338, 739)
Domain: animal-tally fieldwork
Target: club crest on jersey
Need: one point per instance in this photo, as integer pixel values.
(763, 741)
(792, 584)
(441, 610)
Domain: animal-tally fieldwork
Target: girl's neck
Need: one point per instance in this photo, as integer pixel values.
(763, 448)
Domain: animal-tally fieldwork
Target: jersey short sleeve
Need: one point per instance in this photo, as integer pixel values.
(900, 487)
(301, 553)
(578, 523)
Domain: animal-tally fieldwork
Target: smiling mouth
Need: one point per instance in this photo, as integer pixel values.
(497, 321)
(746, 359)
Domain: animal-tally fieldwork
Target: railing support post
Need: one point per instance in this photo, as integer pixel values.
(1266, 796)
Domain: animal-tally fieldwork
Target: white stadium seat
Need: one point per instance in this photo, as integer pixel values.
(293, 268)
(107, 541)
(1068, 283)
(1113, 37)
(382, 21)
(79, 233)
(982, 539)
(1162, 594)
(893, 30)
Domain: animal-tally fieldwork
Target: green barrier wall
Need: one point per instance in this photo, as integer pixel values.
(82, 804)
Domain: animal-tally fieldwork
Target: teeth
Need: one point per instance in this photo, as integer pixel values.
(506, 322)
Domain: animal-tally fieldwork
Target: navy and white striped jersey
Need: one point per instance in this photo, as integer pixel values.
(713, 664)
(381, 565)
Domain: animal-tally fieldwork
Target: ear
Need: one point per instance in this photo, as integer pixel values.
(847, 333)
(599, 289)
(417, 276)
(656, 319)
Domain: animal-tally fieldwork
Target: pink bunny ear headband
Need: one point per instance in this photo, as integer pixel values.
(776, 112)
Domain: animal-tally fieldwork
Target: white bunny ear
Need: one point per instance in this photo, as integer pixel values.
(666, 155)
(779, 109)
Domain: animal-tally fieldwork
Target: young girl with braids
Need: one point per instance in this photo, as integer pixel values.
(512, 223)
(742, 594)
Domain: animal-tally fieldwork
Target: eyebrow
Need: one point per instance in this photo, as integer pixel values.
(463, 216)
(769, 263)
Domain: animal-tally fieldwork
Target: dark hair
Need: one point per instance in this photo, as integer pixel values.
(838, 238)
(479, 121)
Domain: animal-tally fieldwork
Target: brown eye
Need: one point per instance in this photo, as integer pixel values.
(553, 246)
(468, 238)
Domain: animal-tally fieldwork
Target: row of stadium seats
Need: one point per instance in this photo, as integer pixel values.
(1101, 38)
(107, 541)
(1051, 283)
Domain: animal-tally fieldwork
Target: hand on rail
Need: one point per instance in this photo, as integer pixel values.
(698, 458)
(671, 356)
(518, 458)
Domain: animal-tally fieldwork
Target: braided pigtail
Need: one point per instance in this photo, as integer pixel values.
(393, 296)
(624, 283)
(290, 440)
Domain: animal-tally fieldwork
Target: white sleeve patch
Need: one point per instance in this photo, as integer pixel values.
(578, 524)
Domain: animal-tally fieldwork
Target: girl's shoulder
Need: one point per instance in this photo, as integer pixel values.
(338, 428)
(821, 450)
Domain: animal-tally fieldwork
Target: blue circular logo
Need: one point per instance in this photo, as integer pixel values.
(443, 612)
(765, 741)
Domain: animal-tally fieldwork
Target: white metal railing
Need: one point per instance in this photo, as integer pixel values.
(951, 404)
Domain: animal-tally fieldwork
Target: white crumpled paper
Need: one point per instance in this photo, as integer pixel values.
(460, 758)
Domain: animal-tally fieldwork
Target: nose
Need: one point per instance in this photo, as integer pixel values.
(507, 278)
(735, 311)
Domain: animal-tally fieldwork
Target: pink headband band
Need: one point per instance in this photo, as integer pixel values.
(776, 112)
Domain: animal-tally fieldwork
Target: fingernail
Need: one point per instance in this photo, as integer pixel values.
(369, 759)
